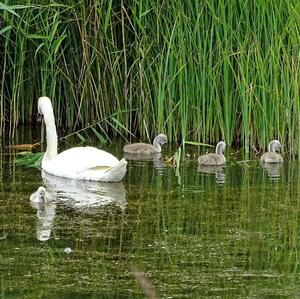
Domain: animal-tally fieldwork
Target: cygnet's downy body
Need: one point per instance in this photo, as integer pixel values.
(214, 159)
(272, 156)
(40, 196)
(145, 148)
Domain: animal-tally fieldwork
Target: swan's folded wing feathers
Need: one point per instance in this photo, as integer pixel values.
(139, 148)
(78, 159)
(100, 168)
(107, 174)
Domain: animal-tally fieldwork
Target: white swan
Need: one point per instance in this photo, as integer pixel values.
(82, 163)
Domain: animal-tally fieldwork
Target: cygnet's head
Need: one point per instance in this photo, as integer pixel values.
(161, 139)
(220, 148)
(274, 146)
(41, 192)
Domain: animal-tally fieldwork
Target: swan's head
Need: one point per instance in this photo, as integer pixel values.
(274, 146)
(44, 107)
(161, 139)
(220, 148)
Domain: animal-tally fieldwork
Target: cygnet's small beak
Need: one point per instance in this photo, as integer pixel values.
(42, 198)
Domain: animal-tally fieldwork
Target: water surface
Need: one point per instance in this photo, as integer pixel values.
(195, 233)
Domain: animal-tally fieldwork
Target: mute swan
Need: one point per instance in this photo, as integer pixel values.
(145, 148)
(271, 156)
(41, 195)
(83, 163)
(214, 159)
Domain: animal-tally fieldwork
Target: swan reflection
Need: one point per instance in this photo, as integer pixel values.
(273, 169)
(217, 170)
(84, 195)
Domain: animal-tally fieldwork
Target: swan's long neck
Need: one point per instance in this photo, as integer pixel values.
(270, 147)
(51, 135)
(220, 148)
(156, 143)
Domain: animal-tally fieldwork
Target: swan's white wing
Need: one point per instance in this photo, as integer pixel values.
(86, 163)
(78, 159)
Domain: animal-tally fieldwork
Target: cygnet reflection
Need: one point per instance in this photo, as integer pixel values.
(273, 169)
(142, 157)
(156, 158)
(217, 170)
(85, 194)
(44, 203)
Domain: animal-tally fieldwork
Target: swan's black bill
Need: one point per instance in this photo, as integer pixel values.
(39, 117)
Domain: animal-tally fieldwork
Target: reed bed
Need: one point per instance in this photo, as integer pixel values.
(197, 70)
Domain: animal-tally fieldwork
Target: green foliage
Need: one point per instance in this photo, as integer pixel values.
(201, 71)
(30, 159)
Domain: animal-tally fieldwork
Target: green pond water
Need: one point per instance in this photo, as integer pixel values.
(232, 233)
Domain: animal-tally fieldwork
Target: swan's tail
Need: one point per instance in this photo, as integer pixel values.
(116, 173)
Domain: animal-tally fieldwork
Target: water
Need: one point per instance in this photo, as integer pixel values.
(232, 233)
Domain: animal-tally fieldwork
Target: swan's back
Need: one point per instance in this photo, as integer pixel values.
(87, 163)
(146, 148)
(212, 159)
(271, 157)
(140, 148)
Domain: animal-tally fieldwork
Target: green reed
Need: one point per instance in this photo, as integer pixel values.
(198, 71)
